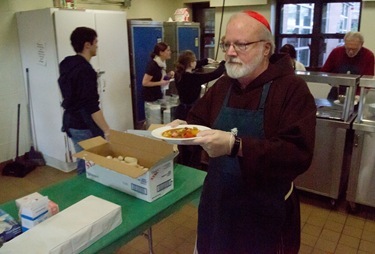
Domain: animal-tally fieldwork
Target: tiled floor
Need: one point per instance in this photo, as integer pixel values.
(325, 229)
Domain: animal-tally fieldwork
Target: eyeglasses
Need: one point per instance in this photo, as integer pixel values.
(237, 46)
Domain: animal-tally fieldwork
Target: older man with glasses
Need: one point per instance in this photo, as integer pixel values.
(262, 120)
(352, 58)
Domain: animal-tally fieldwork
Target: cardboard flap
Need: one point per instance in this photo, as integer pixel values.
(92, 142)
(139, 142)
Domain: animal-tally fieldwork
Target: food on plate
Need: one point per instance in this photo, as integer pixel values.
(185, 132)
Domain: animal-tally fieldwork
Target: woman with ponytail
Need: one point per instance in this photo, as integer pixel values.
(189, 83)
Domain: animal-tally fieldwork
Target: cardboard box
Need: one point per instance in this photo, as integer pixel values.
(34, 212)
(70, 231)
(28, 198)
(148, 183)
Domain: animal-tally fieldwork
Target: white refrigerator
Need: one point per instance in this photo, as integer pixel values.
(44, 37)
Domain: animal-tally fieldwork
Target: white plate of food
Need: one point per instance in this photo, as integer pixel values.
(182, 134)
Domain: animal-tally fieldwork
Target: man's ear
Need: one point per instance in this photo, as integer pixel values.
(87, 45)
(267, 46)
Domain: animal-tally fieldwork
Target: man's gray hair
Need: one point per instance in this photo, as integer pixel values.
(354, 35)
(269, 38)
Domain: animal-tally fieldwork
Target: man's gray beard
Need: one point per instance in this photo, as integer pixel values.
(239, 70)
(235, 71)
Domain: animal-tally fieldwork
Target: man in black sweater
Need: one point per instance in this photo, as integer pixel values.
(83, 118)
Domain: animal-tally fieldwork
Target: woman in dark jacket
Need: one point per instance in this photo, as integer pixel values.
(189, 84)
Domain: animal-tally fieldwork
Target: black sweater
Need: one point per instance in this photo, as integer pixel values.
(78, 85)
(189, 85)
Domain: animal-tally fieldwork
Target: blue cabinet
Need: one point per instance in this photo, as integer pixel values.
(181, 36)
(143, 35)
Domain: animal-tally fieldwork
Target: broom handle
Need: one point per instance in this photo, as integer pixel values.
(30, 111)
(18, 129)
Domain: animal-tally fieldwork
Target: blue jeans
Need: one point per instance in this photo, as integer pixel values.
(78, 136)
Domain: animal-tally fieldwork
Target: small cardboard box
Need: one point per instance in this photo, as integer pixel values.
(35, 208)
(34, 212)
(148, 183)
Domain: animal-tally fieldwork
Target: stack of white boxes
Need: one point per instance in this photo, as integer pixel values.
(35, 208)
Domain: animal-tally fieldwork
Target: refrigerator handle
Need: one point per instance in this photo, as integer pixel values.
(101, 82)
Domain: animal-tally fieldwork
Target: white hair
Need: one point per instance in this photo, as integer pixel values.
(354, 35)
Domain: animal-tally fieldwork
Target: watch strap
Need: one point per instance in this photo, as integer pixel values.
(235, 147)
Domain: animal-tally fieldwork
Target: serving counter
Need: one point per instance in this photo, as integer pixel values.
(329, 169)
(361, 185)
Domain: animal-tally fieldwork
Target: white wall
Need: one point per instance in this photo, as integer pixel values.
(12, 84)
(367, 24)
(159, 10)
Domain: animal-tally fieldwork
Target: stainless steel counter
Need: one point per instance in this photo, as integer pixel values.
(348, 80)
(361, 184)
(329, 170)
